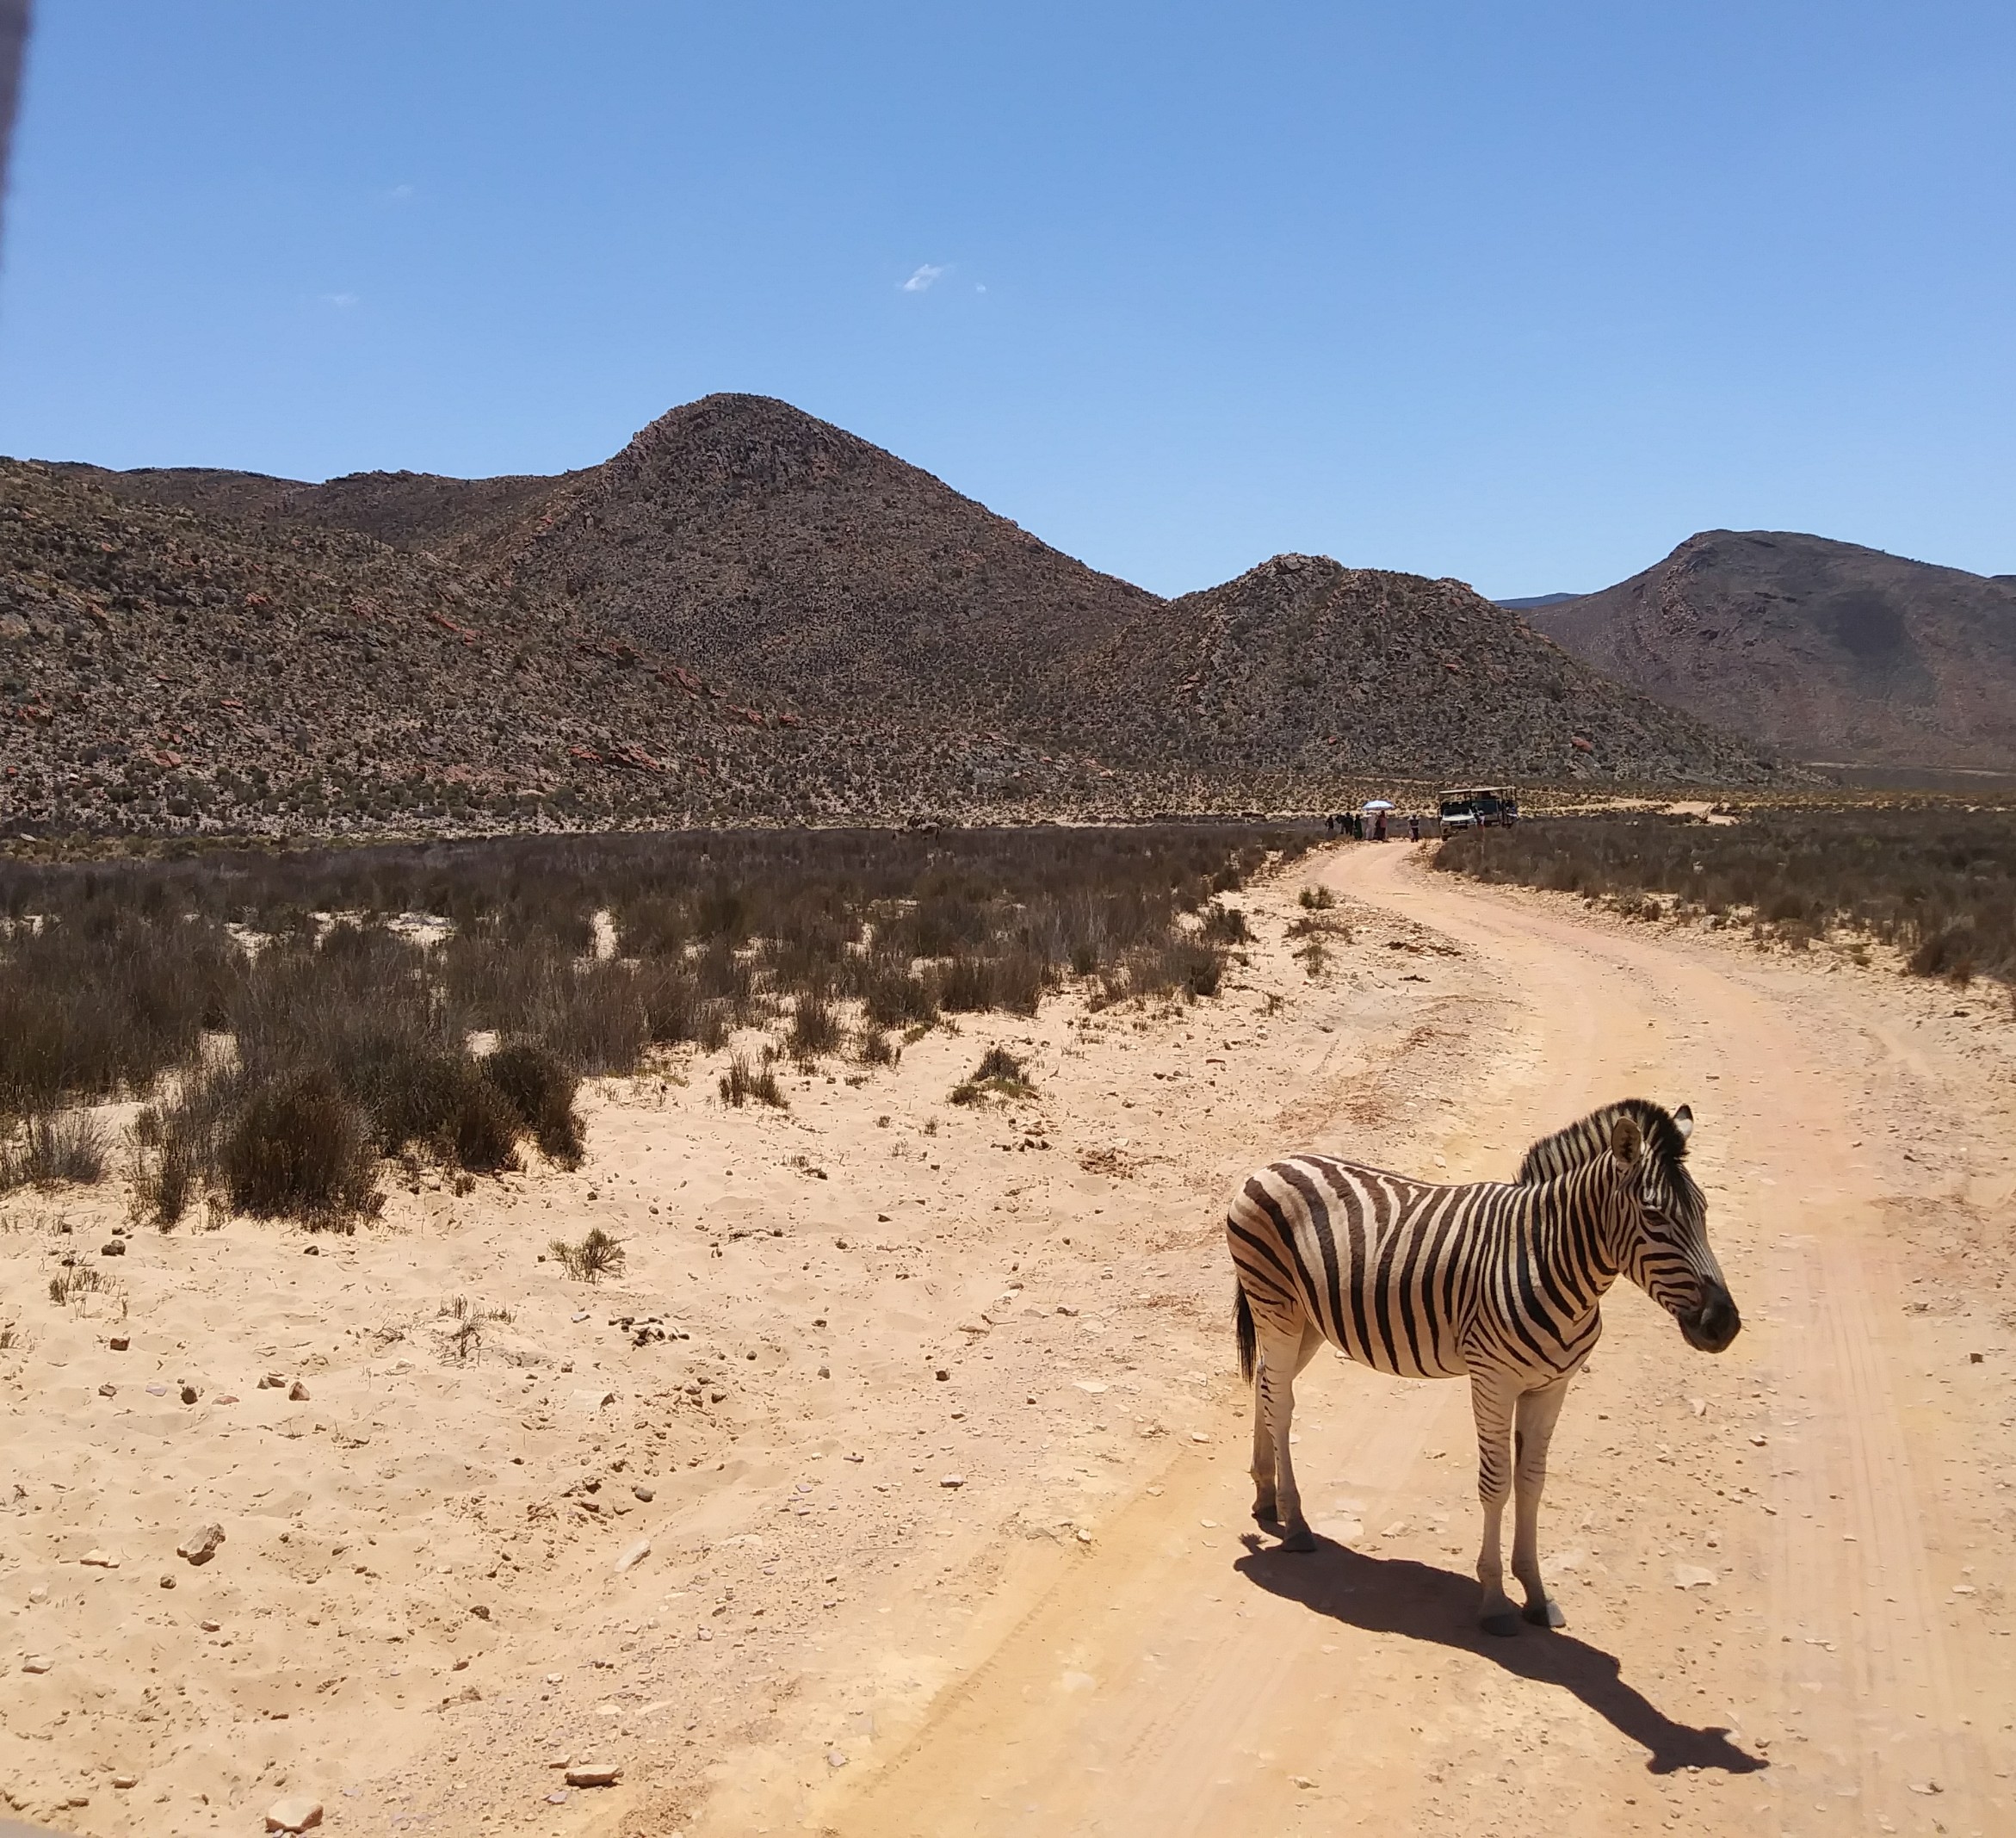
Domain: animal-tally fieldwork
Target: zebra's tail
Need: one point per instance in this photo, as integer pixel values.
(1242, 1316)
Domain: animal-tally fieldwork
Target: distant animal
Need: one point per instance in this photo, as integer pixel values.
(1498, 1282)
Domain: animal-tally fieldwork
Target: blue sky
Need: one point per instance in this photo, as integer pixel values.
(1522, 293)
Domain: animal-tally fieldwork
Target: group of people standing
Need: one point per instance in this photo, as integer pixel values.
(1353, 824)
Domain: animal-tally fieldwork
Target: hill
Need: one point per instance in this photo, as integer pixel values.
(747, 615)
(1302, 667)
(1816, 649)
(164, 670)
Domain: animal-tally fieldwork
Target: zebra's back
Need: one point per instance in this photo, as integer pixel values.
(1386, 1267)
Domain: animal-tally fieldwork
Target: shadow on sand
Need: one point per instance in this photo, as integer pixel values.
(1394, 1596)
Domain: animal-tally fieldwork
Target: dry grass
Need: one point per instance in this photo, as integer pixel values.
(1936, 881)
(339, 990)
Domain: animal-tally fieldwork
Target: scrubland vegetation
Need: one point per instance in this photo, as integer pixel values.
(1936, 881)
(293, 1022)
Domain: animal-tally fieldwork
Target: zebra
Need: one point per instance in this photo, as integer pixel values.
(1502, 1283)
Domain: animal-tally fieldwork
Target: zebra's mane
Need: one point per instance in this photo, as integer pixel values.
(1586, 1138)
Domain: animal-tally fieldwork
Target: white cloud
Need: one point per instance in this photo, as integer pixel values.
(401, 192)
(927, 273)
(341, 302)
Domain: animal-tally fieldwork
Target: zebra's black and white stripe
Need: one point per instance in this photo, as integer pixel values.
(1498, 1282)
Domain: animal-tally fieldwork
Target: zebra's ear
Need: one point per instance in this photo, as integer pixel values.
(1684, 1121)
(1626, 1139)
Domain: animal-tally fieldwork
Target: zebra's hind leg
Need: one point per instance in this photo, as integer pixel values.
(1284, 1349)
(1493, 1397)
(1538, 1412)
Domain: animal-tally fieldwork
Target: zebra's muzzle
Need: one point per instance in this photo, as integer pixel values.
(1711, 1326)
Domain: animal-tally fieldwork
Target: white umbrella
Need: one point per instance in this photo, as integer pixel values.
(1376, 804)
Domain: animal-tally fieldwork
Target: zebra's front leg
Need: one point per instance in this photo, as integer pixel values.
(1493, 1398)
(1538, 1412)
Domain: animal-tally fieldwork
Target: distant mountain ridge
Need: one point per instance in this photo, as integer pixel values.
(746, 615)
(1814, 648)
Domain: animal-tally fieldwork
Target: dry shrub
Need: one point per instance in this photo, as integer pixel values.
(68, 1148)
(540, 1088)
(300, 1148)
(597, 1256)
(743, 1081)
(815, 1028)
(1000, 1074)
(876, 1049)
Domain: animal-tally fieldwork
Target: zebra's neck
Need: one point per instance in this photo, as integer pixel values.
(1576, 1230)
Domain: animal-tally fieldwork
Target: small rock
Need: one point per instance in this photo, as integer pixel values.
(951, 1480)
(1974, 1358)
(644, 1493)
(594, 1777)
(227, 1397)
(297, 1393)
(1302, 1782)
(634, 1556)
(558, 1797)
(312, 1250)
(1759, 1442)
(209, 1627)
(1924, 1786)
(1698, 1406)
(119, 1343)
(1065, 1308)
(1084, 1536)
(37, 1662)
(108, 1389)
(99, 1560)
(553, 1678)
(156, 1390)
(1195, 1435)
(200, 1544)
(941, 1375)
(113, 1247)
(168, 1582)
(126, 1781)
(480, 1612)
(188, 1394)
(1692, 1576)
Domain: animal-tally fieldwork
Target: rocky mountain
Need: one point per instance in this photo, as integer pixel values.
(747, 614)
(164, 670)
(1303, 665)
(1814, 649)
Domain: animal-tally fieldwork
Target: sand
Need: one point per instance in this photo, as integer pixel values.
(928, 1417)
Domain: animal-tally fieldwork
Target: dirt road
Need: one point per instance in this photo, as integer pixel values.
(1786, 1570)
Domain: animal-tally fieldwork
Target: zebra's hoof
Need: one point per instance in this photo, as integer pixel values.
(1504, 1626)
(1299, 1538)
(1545, 1614)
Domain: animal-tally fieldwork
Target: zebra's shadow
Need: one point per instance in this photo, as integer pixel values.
(1395, 1595)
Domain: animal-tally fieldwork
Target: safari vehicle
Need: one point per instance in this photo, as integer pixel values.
(1479, 807)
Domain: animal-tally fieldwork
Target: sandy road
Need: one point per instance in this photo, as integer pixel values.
(1842, 1474)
